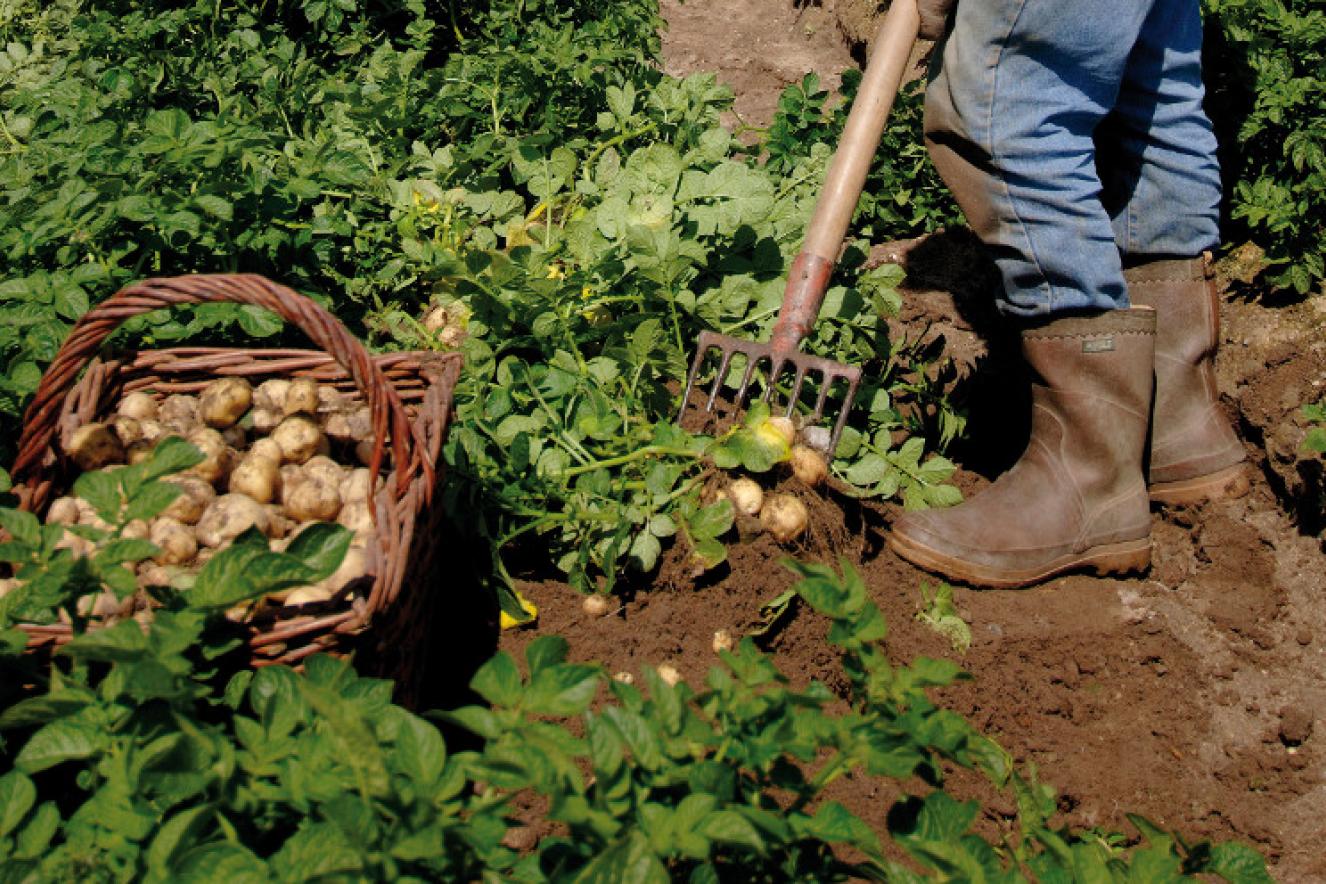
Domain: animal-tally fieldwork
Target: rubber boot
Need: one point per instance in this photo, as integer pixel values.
(1194, 453)
(1077, 497)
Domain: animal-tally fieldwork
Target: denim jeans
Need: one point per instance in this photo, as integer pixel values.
(1072, 134)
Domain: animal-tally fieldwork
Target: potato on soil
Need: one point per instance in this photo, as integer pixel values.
(93, 446)
(230, 516)
(270, 395)
(179, 413)
(624, 677)
(809, 466)
(175, 539)
(140, 406)
(785, 517)
(669, 673)
(216, 454)
(195, 497)
(723, 641)
(224, 401)
(299, 438)
(313, 500)
(596, 605)
(257, 477)
(301, 397)
(747, 496)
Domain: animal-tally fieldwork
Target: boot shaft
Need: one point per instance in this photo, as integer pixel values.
(1092, 393)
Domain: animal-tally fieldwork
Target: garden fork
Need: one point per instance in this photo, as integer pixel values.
(809, 276)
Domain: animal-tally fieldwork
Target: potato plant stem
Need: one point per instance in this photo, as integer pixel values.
(638, 454)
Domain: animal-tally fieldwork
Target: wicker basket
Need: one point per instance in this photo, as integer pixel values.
(409, 396)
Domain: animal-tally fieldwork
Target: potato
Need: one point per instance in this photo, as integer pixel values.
(723, 641)
(355, 516)
(321, 468)
(299, 438)
(152, 574)
(808, 466)
(307, 595)
(80, 547)
(63, 511)
(301, 397)
(257, 477)
(349, 426)
(195, 497)
(747, 496)
(312, 499)
(127, 429)
(331, 400)
(265, 420)
(364, 452)
(216, 455)
(230, 516)
(270, 395)
(224, 401)
(136, 530)
(176, 541)
(140, 406)
(268, 449)
(353, 567)
(87, 515)
(152, 431)
(279, 524)
(179, 414)
(356, 485)
(669, 673)
(93, 446)
(596, 605)
(785, 517)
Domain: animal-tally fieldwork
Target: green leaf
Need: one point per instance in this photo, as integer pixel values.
(626, 861)
(1238, 864)
(176, 834)
(58, 742)
(17, 795)
(124, 641)
(562, 690)
(102, 491)
(321, 548)
(498, 681)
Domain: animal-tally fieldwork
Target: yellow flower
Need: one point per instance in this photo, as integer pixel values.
(555, 271)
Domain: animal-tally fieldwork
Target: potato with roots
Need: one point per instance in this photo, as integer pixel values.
(224, 401)
(809, 466)
(174, 539)
(195, 497)
(785, 517)
(93, 446)
(301, 397)
(747, 496)
(230, 516)
(299, 438)
(215, 465)
(138, 405)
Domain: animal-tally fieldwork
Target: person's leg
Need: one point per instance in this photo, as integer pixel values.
(1156, 153)
(1011, 114)
(1020, 89)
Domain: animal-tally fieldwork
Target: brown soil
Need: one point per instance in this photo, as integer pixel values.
(1193, 695)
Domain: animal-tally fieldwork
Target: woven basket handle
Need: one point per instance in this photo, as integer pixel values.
(40, 423)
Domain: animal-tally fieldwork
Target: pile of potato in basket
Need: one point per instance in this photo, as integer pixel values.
(268, 463)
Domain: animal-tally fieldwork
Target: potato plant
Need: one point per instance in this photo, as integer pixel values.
(135, 753)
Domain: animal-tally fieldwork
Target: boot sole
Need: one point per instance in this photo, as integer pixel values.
(1227, 484)
(1131, 556)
